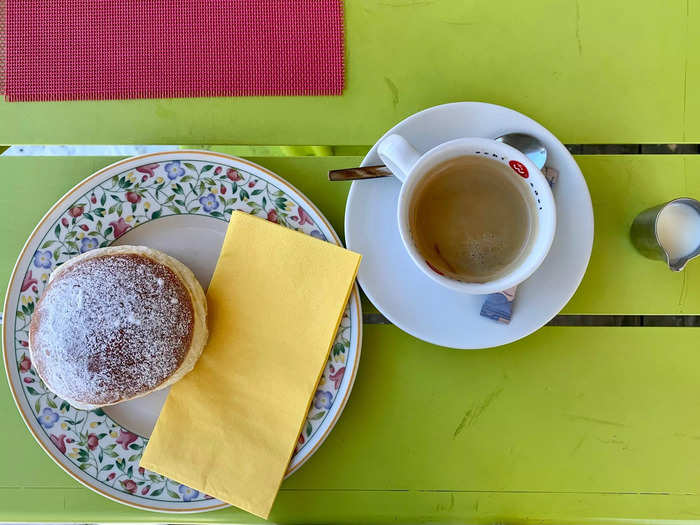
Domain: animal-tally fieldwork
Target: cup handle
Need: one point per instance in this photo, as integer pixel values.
(398, 155)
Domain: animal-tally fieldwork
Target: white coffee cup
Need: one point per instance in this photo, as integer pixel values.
(410, 167)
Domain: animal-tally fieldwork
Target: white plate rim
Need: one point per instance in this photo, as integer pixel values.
(124, 164)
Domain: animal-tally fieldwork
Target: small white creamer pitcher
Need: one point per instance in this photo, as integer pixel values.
(669, 232)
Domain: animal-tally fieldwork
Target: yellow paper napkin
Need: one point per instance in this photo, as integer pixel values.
(229, 427)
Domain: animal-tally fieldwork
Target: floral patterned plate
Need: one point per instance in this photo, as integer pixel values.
(179, 202)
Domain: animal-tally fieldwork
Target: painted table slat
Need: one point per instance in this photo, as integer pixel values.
(594, 71)
(569, 425)
(618, 280)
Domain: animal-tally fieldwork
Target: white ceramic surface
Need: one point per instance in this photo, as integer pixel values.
(417, 304)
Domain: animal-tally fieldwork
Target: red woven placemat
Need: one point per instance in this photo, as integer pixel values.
(113, 49)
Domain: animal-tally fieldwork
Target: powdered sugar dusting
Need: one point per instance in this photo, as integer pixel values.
(110, 328)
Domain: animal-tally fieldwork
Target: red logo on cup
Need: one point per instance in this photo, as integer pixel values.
(519, 168)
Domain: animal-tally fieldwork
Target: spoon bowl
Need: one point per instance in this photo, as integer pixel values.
(528, 145)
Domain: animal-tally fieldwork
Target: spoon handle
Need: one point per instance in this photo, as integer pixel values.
(368, 172)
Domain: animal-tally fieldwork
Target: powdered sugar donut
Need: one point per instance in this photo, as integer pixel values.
(117, 323)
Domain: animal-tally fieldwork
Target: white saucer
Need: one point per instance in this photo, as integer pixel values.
(423, 308)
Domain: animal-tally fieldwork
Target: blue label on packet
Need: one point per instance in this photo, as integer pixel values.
(499, 306)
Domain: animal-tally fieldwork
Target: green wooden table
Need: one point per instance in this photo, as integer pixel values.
(572, 424)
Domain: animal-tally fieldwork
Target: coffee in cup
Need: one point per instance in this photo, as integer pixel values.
(471, 219)
(475, 215)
